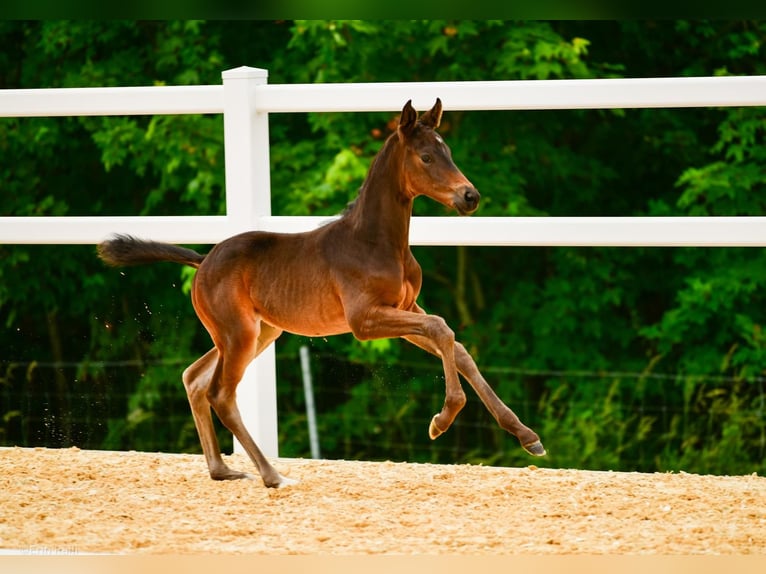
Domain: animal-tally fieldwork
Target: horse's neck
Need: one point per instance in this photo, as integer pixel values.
(382, 211)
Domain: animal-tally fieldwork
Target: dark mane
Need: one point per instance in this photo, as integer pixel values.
(373, 165)
(349, 207)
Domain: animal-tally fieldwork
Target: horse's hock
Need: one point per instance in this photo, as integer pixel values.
(129, 502)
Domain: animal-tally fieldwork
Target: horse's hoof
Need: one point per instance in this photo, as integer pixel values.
(288, 482)
(433, 430)
(283, 482)
(536, 448)
(228, 474)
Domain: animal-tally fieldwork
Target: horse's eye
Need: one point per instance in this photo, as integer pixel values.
(426, 158)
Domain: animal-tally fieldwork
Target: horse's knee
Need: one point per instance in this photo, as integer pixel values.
(438, 330)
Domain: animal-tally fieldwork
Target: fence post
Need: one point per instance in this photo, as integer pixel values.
(248, 197)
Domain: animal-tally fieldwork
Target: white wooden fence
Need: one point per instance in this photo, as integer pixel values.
(246, 99)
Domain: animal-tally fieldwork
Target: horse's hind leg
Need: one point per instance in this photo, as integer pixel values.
(196, 380)
(243, 343)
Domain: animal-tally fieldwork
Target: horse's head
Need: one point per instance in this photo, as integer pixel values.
(427, 167)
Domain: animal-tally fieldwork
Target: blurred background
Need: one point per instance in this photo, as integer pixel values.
(634, 359)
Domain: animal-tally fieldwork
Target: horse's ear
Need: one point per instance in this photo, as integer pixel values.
(407, 119)
(433, 117)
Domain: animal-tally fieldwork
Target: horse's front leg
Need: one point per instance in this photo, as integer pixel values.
(388, 322)
(505, 417)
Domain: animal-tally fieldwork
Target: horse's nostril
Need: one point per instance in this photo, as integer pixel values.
(471, 196)
(466, 199)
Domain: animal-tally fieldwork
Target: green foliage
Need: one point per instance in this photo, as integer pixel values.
(733, 184)
(633, 359)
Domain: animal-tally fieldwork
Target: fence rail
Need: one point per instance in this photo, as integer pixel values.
(693, 92)
(500, 231)
(246, 99)
(128, 101)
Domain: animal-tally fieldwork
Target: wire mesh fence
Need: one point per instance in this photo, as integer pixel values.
(593, 420)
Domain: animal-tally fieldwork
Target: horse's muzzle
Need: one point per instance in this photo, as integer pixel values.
(467, 200)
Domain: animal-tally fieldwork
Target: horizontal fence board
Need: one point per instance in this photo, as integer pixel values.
(565, 231)
(391, 96)
(591, 231)
(516, 94)
(92, 230)
(447, 230)
(149, 100)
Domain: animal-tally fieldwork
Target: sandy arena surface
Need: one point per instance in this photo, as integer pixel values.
(77, 501)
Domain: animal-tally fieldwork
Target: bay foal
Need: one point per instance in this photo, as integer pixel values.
(355, 274)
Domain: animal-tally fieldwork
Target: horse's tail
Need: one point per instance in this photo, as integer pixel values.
(127, 250)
